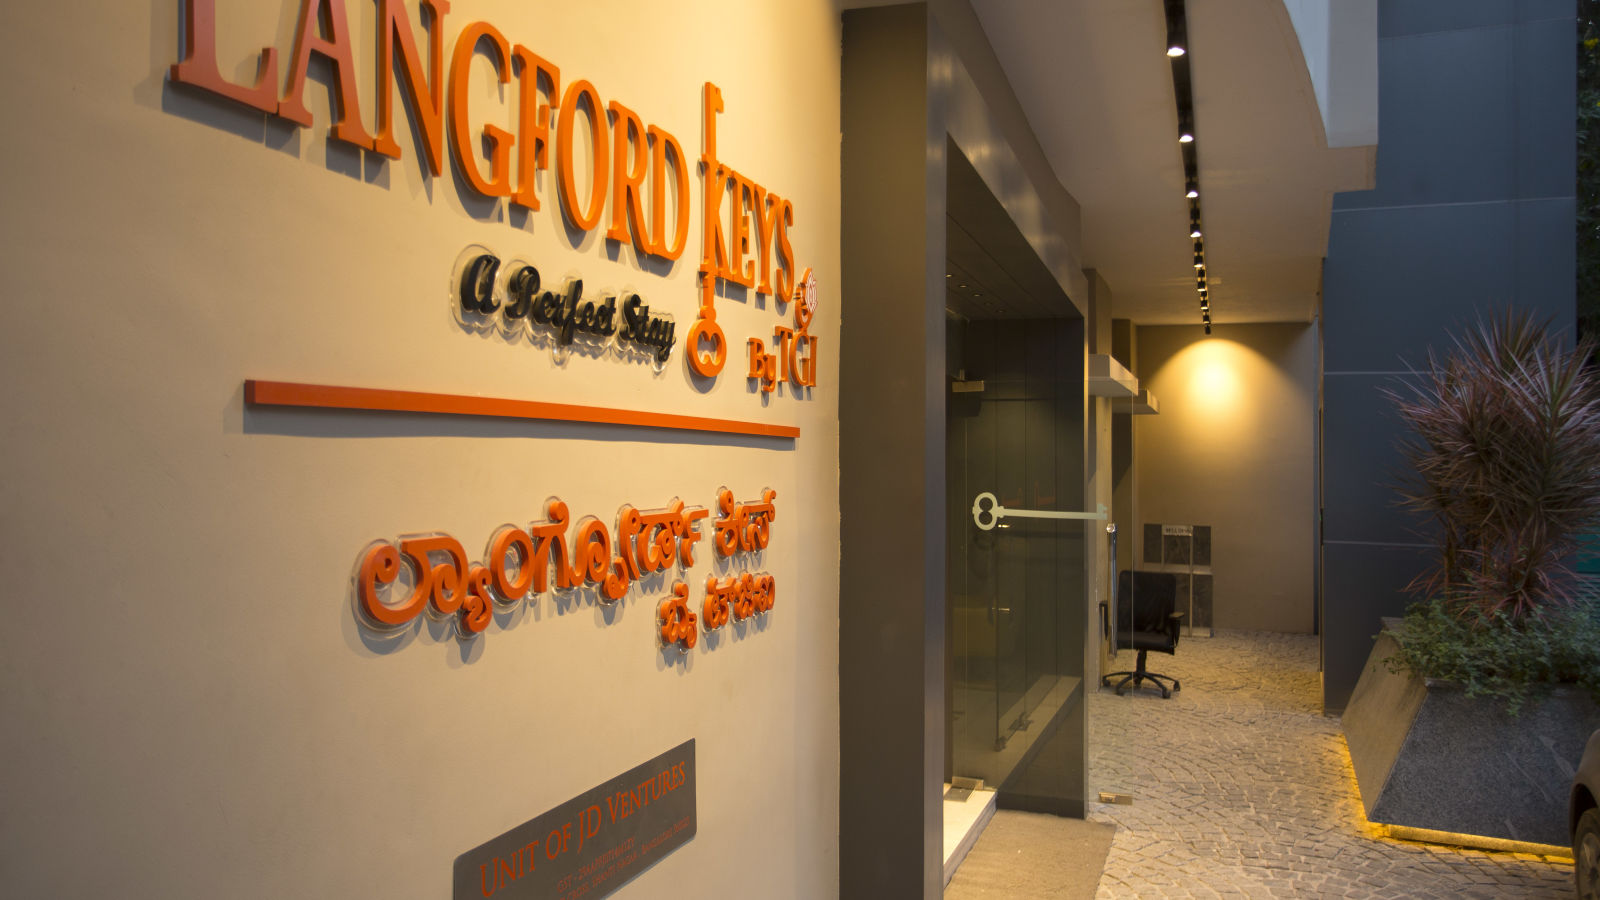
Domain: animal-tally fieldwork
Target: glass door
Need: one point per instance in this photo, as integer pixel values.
(1014, 430)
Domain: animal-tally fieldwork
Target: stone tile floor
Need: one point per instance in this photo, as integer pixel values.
(1242, 788)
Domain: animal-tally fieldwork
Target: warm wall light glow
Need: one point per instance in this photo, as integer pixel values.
(1470, 841)
(1216, 378)
(1380, 832)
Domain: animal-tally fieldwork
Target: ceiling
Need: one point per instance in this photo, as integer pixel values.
(1094, 80)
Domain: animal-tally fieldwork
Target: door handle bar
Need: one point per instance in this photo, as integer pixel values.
(987, 512)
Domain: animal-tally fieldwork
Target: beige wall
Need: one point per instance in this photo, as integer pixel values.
(1233, 448)
(190, 708)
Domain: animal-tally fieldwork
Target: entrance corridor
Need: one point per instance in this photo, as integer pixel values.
(1242, 788)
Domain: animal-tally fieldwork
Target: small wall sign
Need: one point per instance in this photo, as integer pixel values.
(592, 844)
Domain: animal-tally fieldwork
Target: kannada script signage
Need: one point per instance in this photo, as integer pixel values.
(518, 562)
(592, 844)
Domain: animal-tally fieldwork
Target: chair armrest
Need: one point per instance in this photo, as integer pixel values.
(1172, 626)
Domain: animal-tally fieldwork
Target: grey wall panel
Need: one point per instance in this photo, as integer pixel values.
(1362, 583)
(1400, 279)
(907, 91)
(1473, 211)
(1396, 279)
(1539, 10)
(1361, 463)
(1444, 118)
(1405, 17)
(891, 655)
(1546, 258)
(984, 116)
(1546, 95)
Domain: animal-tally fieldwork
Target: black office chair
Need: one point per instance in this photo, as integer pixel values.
(1147, 619)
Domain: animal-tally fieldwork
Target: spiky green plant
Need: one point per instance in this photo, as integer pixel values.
(1504, 453)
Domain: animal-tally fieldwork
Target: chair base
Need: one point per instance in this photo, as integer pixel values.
(1138, 676)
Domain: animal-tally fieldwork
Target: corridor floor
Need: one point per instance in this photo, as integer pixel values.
(1242, 788)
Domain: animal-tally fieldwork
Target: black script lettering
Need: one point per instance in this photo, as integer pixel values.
(521, 289)
(571, 313)
(569, 308)
(545, 308)
(477, 285)
(605, 316)
(656, 332)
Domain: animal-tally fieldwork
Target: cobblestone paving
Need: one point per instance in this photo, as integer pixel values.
(1242, 788)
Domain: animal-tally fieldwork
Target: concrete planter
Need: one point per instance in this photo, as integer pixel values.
(1426, 756)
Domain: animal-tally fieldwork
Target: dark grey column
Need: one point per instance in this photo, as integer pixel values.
(891, 463)
(1473, 210)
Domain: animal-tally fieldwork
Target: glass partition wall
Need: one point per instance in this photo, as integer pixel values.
(1015, 592)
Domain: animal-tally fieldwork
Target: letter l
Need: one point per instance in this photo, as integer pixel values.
(199, 64)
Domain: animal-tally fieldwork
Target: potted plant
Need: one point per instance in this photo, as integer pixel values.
(1475, 706)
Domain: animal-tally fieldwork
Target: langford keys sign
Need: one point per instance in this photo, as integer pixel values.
(745, 237)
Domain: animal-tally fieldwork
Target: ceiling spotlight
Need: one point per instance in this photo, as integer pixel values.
(1194, 229)
(1208, 328)
(1193, 190)
(1186, 138)
(1175, 51)
(1199, 261)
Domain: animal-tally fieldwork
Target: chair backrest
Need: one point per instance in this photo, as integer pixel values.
(1145, 600)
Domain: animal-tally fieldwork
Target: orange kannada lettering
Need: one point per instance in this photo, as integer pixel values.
(677, 622)
(646, 539)
(518, 563)
(744, 595)
(744, 526)
(445, 588)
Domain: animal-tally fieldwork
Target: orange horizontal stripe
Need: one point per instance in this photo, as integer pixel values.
(327, 396)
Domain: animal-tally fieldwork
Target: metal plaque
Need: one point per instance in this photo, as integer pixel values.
(592, 844)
